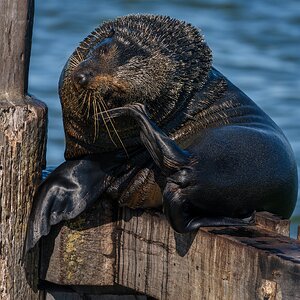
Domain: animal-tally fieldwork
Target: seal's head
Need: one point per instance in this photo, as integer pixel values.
(148, 59)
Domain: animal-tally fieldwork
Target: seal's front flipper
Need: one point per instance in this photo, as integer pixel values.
(66, 192)
(164, 151)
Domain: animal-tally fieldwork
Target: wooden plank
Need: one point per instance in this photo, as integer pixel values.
(84, 249)
(215, 263)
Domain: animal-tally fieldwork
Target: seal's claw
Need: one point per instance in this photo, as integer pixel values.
(138, 107)
(111, 114)
(133, 110)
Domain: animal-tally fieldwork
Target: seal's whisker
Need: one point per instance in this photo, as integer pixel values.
(112, 124)
(79, 54)
(74, 58)
(89, 104)
(98, 110)
(74, 61)
(83, 48)
(78, 99)
(85, 104)
(73, 64)
(106, 109)
(95, 109)
(94, 35)
(105, 123)
(83, 101)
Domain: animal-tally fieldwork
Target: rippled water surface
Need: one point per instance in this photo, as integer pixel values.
(255, 44)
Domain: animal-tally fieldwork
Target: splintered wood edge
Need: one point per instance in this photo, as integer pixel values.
(273, 223)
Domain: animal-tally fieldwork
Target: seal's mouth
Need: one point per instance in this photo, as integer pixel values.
(105, 86)
(95, 109)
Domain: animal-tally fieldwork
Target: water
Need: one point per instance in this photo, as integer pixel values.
(255, 44)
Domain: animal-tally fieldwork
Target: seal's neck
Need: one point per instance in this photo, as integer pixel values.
(201, 98)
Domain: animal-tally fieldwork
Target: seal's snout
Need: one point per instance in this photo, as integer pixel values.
(82, 78)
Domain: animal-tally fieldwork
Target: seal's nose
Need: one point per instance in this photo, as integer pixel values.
(81, 79)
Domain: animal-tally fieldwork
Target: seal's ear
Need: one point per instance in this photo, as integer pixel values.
(66, 192)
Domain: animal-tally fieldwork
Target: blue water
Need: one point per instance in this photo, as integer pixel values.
(256, 44)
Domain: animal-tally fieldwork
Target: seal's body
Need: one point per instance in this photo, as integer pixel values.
(151, 123)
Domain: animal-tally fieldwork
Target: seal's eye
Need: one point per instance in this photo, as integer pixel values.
(103, 46)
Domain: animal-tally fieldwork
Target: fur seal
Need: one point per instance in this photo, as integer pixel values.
(150, 122)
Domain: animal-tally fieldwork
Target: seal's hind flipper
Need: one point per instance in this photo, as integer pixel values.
(71, 188)
(198, 222)
(181, 214)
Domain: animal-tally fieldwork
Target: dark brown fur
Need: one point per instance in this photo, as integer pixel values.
(155, 60)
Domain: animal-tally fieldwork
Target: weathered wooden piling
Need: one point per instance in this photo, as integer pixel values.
(22, 149)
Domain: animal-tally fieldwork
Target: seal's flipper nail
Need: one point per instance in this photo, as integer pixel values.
(107, 115)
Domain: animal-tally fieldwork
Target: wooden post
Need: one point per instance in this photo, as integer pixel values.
(22, 147)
